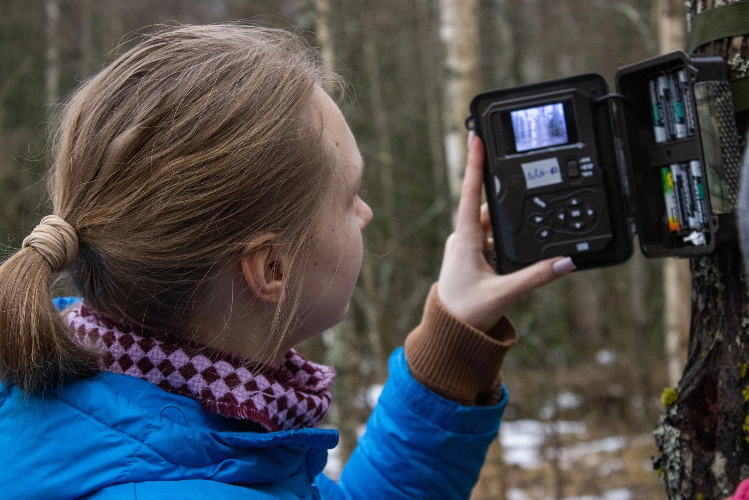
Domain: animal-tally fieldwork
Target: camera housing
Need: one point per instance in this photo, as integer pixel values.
(571, 170)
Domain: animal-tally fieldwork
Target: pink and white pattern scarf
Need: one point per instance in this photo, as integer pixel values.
(292, 396)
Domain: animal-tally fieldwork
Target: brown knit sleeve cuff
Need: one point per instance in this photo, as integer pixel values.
(454, 359)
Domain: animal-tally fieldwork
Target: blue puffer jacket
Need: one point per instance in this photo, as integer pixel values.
(118, 437)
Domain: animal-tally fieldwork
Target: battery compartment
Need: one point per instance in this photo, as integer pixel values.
(650, 157)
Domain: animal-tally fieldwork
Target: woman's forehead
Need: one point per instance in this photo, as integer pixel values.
(337, 131)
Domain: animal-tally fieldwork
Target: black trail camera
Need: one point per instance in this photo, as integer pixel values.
(571, 170)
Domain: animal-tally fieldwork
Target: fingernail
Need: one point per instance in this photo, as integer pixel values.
(563, 266)
(471, 135)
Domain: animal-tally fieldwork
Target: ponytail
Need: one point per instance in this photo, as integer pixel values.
(37, 349)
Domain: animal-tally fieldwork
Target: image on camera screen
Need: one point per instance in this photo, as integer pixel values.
(539, 127)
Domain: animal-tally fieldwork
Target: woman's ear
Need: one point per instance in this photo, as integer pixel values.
(263, 267)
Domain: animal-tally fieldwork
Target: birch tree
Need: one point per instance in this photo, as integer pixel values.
(703, 435)
(459, 33)
(669, 20)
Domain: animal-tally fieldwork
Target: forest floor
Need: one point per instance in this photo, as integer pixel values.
(565, 461)
(584, 433)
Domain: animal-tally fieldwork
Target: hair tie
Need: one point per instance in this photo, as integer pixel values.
(56, 241)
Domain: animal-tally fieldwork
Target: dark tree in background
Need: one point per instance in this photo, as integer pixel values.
(703, 435)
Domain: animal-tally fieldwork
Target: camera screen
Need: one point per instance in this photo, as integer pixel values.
(539, 127)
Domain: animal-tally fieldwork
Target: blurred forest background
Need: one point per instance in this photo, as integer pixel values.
(586, 376)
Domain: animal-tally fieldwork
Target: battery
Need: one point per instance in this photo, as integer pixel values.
(664, 97)
(683, 194)
(677, 118)
(659, 127)
(669, 197)
(689, 197)
(686, 99)
(698, 192)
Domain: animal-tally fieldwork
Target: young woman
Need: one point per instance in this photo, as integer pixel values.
(206, 206)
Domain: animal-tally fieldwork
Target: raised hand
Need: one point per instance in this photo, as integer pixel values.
(468, 286)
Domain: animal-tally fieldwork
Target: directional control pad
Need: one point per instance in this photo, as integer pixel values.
(549, 220)
(576, 214)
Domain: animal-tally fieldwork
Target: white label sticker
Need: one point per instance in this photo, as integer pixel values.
(542, 173)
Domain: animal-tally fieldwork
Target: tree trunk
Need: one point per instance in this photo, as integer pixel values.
(637, 347)
(431, 82)
(52, 59)
(703, 435)
(677, 297)
(459, 32)
(322, 32)
(86, 41)
(677, 294)
(378, 291)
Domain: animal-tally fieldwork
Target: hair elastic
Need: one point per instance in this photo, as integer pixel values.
(56, 241)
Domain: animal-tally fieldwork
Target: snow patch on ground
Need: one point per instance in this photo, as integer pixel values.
(373, 394)
(570, 454)
(616, 494)
(605, 357)
(522, 439)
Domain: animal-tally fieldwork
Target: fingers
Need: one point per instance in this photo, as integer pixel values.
(535, 276)
(485, 221)
(470, 194)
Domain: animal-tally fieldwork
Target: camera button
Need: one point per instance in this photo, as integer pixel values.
(573, 169)
(574, 213)
(543, 234)
(560, 218)
(538, 201)
(537, 219)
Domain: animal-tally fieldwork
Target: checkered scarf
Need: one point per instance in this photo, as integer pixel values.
(291, 396)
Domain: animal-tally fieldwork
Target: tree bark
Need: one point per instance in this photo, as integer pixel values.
(677, 297)
(703, 435)
(86, 41)
(52, 57)
(636, 346)
(378, 291)
(431, 82)
(322, 32)
(459, 32)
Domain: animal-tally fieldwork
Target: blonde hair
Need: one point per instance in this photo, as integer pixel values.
(166, 164)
